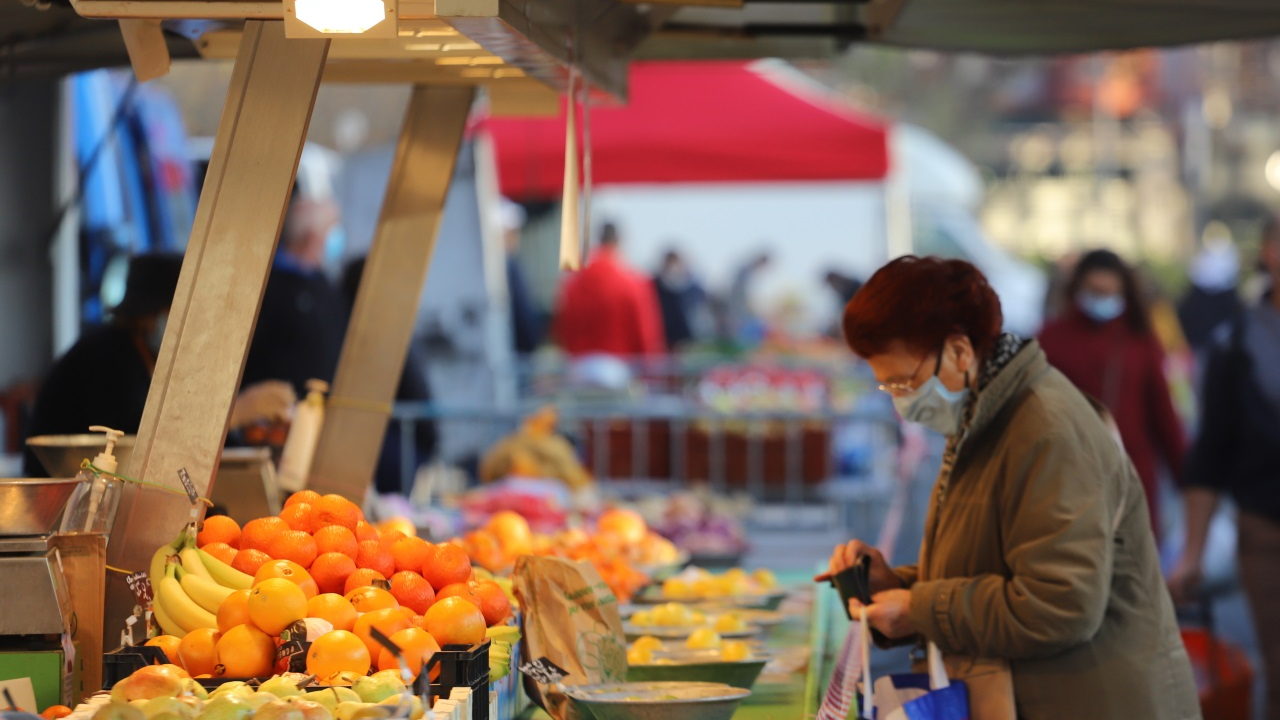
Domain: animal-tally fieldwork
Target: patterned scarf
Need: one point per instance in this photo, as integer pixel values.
(1007, 346)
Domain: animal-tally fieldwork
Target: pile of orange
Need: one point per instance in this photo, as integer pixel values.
(320, 559)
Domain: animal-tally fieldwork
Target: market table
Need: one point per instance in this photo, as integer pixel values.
(799, 695)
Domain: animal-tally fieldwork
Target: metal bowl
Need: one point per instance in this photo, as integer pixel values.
(33, 506)
(657, 701)
(699, 666)
(61, 455)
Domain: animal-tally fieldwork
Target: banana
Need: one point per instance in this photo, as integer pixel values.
(184, 611)
(207, 593)
(224, 574)
(167, 625)
(161, 558)
(192, 563)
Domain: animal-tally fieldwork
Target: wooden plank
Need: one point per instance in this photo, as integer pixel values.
(180, 9)
(382, 320)
(255, 155)
(148, 51)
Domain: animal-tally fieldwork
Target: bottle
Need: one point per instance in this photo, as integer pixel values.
(304, 434)
(92, 508)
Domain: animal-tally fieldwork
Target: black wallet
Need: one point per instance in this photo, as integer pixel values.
(854, 582)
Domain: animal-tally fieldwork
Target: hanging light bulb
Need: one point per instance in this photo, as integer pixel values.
(327, 18)
(570, 229)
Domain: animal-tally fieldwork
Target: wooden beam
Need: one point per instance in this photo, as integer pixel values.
(180, 9)
(184, 425)
(148, 51)
(382, 320)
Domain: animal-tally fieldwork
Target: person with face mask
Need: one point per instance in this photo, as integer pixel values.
(104, 378)
(1038, 577)
(1103, 342)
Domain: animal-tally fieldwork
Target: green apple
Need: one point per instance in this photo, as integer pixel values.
(227, 707)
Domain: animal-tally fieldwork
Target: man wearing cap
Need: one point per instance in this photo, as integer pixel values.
(104, 378)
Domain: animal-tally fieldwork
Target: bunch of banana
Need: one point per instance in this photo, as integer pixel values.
(503, 637)
(188, 585)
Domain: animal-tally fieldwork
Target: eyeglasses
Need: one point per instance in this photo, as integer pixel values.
(898, 389)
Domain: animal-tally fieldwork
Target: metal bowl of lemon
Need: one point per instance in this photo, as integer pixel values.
(657, 700)
(699, 666)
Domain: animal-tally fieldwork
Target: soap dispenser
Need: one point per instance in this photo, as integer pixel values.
(304, 435)
(92, 508)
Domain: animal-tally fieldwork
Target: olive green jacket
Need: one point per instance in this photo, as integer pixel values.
(1020, 562)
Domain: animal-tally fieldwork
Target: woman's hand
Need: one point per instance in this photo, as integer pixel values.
(846, 556)
(889, 612)
(267, 401)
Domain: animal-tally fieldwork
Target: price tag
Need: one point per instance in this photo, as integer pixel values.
(189, 486)
(140, 585)
(544, 672)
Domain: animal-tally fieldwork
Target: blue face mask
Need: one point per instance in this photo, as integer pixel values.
(933, 405)
(334, 243)
(1100, 308)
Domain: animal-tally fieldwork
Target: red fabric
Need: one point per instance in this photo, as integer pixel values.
(607, 308)
(1086, 352)
(698, 122)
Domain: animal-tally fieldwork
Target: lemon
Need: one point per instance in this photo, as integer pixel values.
(671, 614)
(703, 639)
(647, 642)
(677, 589)
(731, 623)
(765, 579)
(697, 618)
(736, 574)
(639, 656)
(704, 588)
(734, 651)
(644, 617)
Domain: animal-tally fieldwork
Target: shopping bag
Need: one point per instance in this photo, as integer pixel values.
(922, 696)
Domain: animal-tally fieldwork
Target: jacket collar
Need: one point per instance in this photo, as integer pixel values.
(1008, 386)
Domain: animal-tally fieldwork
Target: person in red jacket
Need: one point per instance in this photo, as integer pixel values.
(1103, 342)
(609, 309)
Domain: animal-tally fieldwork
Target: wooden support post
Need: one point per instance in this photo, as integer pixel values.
(255, 156)
(148, 52)
(386, 306)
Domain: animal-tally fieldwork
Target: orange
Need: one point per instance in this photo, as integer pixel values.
(219, 529)
(168, 644)
(55, 712)
(331, 570)
(494, 603)
(485, 550)
(275, 604)
(336, 538)
(234, 611)
(411, 590)
(449, 564)
(293, 545)
(410, 615)
(454, 621)
(403, 524)
(626, 525)
(307, 496)
(464, 590)
(368, 599)
(362, 578)
(337, 652)
(198, 651)
(221, 551)
(334, 510)
(374, 556)
(410, 553)
(417, 646)
(245, 652)
(365, 531)
(339, 611)
(298, 515)
(250, 561)
(389, 537)
(388, 621)
(512, 530)
(257, 534)
(291, 571)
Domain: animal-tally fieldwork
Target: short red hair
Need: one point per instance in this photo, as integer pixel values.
(920, 302)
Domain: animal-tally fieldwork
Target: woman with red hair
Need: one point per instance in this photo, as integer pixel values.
(1038, 576)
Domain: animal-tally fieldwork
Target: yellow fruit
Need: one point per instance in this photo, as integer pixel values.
(647, 642)
(643, 618)
(703, 639)
(672, 614)
(639, 656)
(735, 651)
(765, 579)
(677, 589)
(731, 623)
(276, 604)
(337, 652)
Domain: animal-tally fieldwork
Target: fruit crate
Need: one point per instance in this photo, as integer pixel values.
(462, 666)
(124, 661)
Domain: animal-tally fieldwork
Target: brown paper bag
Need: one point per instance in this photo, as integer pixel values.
(570, 617)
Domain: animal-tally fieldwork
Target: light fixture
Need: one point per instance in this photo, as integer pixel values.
(340, 18)
(1273, 170)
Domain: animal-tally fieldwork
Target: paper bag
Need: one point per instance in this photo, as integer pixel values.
(571, 618)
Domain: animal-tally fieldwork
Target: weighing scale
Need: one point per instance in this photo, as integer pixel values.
(36, 617)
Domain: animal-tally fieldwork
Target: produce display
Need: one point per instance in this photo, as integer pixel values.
(698, 584)
(621, 546)
(649, 650)
(305, 591)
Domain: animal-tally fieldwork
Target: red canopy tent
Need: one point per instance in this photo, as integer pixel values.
(700, 122)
